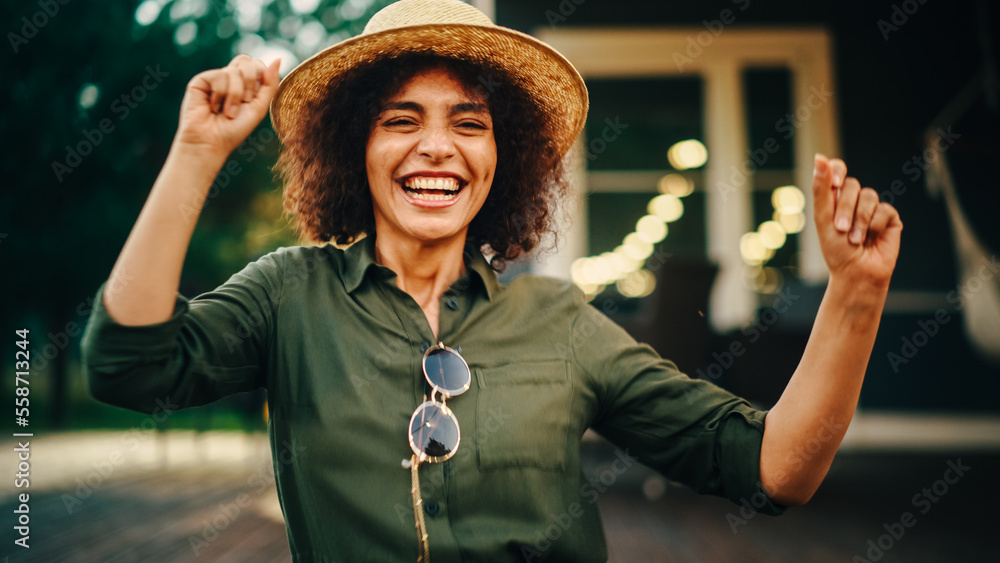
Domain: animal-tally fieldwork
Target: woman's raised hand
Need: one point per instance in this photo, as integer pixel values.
(858, 234)
(222, 106)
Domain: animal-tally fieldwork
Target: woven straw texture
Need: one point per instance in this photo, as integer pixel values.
(448, 28)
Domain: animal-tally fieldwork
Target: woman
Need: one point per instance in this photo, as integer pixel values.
(436, 133)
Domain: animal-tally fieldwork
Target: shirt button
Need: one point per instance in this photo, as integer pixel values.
(452, 303)
(431, 507)
(425, 346)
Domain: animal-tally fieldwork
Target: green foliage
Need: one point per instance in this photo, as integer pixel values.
(90, 106)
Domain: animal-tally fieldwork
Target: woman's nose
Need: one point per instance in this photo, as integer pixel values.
(436, 144)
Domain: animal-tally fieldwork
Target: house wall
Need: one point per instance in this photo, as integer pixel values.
(896, 65)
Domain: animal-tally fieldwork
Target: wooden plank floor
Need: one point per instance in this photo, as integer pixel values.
(156, 511)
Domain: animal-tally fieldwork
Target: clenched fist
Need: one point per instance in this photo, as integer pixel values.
(222, 106)
(859, 235)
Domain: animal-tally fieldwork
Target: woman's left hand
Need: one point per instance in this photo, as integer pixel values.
(859, 235)
(860, 240)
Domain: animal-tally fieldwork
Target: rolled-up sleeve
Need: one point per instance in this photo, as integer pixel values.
(692, 431)
(212, 346)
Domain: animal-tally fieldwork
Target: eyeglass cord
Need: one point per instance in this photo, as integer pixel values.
(424, 553)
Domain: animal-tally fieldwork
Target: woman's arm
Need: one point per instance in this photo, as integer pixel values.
(859, 237)
(220, 108)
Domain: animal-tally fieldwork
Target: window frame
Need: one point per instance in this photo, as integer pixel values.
(719, 60)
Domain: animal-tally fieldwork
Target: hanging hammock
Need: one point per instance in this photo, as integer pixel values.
(979, 282)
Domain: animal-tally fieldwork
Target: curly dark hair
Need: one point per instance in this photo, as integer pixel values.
(322, 163)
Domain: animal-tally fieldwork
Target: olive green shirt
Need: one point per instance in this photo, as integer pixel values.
(338, 346)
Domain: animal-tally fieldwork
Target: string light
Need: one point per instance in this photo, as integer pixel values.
(759, 246)
(675, 184)
(651, 229)
(623, 267)
(793, 223)
(772, 234)
(637, 284)
(687, 154)
(667, 207)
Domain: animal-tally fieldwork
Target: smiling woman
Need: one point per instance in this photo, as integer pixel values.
(326, 183)
(438, 136)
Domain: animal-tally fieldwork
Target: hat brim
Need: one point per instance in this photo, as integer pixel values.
(539, 70)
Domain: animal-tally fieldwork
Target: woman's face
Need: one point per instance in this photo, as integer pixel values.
(430, 159)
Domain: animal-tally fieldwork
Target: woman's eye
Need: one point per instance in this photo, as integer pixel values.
(399, 122)
(472, 125)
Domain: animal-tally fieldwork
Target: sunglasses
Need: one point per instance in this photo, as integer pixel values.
(434, 433)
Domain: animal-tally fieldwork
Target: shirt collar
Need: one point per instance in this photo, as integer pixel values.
(360, 258)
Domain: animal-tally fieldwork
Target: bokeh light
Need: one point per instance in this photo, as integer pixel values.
(651, 229)
(186, 33)
(675, 184)
(147, 12)
(667, 207)
(637, 284)
(619, 265)
(304, 6)
(622, 262)
(769, 280)
(636, 248)
(88, 95)
(788, 199)
(752, 249)
(772, 234)
(181, 10)
(687, 154)
(310, 37)
(793, 223)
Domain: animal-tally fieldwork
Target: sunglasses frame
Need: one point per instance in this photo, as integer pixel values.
(445, 412)
(444, 393)
(441, 406)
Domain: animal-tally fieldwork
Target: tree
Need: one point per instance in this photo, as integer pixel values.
(90, 108)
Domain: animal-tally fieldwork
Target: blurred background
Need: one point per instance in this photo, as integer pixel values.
(690, 226)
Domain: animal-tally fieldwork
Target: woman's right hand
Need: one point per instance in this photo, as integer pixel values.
(221, 107)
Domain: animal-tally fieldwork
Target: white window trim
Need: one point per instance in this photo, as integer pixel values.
(806, 52)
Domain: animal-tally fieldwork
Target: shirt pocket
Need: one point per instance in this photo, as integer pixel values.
(523, 415)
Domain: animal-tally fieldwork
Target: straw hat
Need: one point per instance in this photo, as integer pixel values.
(448, 28)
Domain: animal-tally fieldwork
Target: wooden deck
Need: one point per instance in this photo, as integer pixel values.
(161, 504)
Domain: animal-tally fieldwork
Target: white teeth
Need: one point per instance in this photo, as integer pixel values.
(431, 197)
(417, 186)
(422, 183)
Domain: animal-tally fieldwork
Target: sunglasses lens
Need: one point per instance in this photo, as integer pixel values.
(447, 371)
(434, 431)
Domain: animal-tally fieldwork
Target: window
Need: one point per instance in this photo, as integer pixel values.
(748, 86)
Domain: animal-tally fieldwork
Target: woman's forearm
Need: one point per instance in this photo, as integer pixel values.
(142, 288)
(805, 428)
(220, 108)
(859, 237)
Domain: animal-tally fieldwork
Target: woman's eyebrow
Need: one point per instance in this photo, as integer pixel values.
(405, 106)
(473, 107)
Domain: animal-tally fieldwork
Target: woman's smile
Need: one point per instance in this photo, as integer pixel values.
(431, 190)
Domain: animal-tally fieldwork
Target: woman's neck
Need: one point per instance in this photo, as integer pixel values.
(424, 271)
